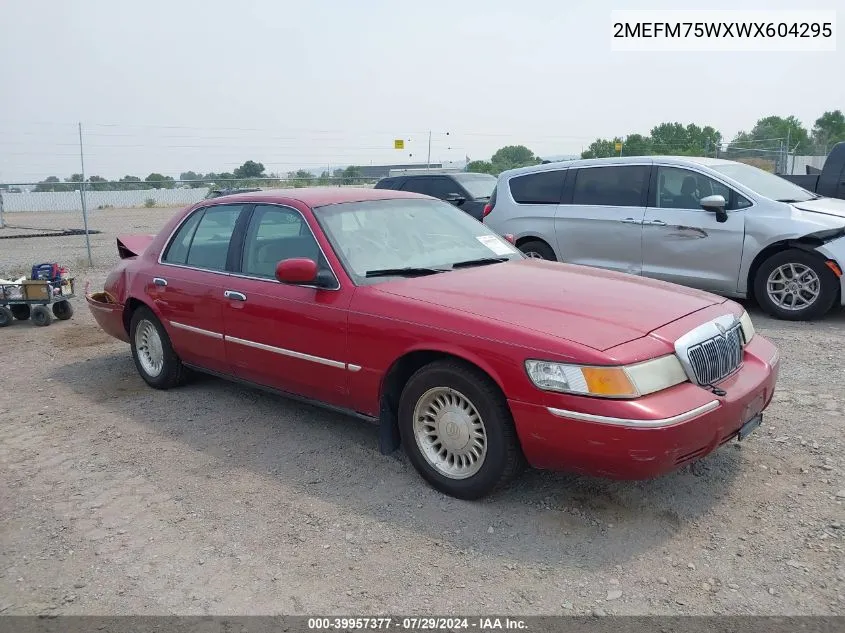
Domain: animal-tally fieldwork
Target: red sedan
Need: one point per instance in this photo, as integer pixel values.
(404, 310)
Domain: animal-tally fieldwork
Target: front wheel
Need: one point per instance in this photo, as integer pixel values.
(41, 316)
(63, 310)
(152, 352)
(795, 285)
(537, 249)
(6, 316)
(457, 430)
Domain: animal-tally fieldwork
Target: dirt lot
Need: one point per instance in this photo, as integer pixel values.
(214, 498)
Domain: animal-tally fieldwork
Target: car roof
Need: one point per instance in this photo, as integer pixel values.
(705, 161)
(321, 196)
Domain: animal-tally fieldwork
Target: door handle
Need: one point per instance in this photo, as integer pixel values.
(159, 281)
(630, 221)
(234, 295)
(656, 223)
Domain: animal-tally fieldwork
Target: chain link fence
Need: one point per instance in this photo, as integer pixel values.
(46, 221)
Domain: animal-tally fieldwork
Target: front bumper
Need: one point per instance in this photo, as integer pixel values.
(835, 250)
(658, 434)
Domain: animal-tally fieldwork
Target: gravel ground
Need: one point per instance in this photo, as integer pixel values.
(219, 499)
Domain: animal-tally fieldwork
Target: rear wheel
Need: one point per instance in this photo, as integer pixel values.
(152, 351)
(795, 285)
(63, 310)
(6, 316)
(457, 430)
(21, 311)
(41, 316)
(537, 249)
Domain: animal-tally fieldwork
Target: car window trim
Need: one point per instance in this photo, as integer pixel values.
(561, 194)
(184, 220)
(172, 240)
(239, 274)
(652, 200)
(643, 196)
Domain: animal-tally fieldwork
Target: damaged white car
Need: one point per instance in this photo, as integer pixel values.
(717, 225)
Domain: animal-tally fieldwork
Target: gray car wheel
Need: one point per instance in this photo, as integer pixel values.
(537, 249)
(795, 285)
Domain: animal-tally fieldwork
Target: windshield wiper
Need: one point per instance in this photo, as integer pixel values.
(483, 261)
(403, 272)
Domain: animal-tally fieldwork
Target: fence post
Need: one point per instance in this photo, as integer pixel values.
(84, 201)
(2, 217)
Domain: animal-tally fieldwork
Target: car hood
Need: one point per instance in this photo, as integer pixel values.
(590, 306)
(828, 206)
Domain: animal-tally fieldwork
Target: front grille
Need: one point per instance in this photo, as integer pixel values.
(717, 357)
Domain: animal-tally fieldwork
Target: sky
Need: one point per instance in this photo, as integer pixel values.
(186, 85)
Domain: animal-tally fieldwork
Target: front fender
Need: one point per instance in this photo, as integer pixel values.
(835, 250)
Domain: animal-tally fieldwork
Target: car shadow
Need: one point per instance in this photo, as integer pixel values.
(542, 517)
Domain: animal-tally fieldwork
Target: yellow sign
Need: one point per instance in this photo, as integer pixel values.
(619, 147)
(399, 143)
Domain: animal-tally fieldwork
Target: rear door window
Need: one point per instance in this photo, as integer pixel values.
(443, 188)
(543, 187)
(419, 185)
(613, 186)
(209, 247)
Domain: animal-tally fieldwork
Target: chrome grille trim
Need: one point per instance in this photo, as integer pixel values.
(717, 358)
(712, 351)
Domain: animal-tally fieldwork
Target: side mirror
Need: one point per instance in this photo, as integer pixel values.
(297, 270)
(456, 199)
(717, 205)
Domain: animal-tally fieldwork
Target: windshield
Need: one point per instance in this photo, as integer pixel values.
(765, 184)
(477, 185)
(379, 235)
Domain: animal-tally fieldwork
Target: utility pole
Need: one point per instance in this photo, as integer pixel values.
(428, 160)
(786, 158)
(82, 196)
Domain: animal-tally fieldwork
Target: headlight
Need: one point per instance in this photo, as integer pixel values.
(747, 327)
(629, 381)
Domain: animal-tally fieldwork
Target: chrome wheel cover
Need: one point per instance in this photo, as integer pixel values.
(793, 287)
(450, 433)
(533, 255)
(149, 348)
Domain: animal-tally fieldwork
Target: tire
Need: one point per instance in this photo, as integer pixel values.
(63, 310)
(41, 316)
(538, 249)
(446, 384)
(151, 345)
(779, 266)
(6, 316)
(22, 311)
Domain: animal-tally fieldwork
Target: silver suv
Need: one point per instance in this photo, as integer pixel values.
(718, 225)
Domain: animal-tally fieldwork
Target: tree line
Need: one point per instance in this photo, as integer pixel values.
(251, 173)
(771, 139)
(766, 144)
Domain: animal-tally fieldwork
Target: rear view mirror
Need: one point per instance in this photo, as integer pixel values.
(715, 204)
